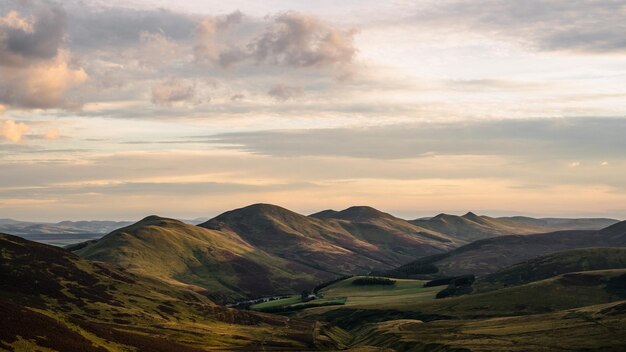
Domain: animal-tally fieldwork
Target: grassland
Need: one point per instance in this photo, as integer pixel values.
(295, 303)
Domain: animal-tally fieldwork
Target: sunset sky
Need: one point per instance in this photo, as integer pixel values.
(121, 109)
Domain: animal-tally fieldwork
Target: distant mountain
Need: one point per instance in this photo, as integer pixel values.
(53, 300)
(25, 228)
(471, 227)
(362, 239)
(490, 255)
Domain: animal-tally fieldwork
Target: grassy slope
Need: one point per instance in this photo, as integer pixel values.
(81, 303)
(490, 255)
(554, 264)
(553, 294)
(220, 265)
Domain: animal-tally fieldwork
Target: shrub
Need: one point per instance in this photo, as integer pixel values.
(364, 281)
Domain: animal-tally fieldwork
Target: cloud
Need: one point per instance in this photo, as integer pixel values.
(290, 39)
(534, 138)
(40, 85)
(23, 39)
(237, 97)
(51, 134)
(123, 27)
(172, 90)
(206, 48)
(36, 71)
(283, 92)
(299, 40)
(550, 25)
(13, 131)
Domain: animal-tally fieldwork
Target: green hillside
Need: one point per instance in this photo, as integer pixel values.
(217, 264)
(55, 300)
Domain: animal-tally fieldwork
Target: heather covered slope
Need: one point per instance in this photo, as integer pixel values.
(52, 298)
(337, 246)
(490, 255)
(217, 264)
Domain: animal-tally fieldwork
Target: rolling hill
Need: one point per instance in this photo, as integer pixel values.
(367, 240)
(490, 255)
(52, 300)
(219, 265)
(471, 227)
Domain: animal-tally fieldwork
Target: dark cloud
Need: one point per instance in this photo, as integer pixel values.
(572, 138)
(283, 92)
(23, 40)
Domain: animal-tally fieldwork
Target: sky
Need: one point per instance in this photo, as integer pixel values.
(121, 109)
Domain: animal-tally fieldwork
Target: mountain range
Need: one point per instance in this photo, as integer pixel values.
(158, 284)
(264, 249)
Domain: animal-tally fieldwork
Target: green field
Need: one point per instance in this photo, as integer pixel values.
(403, 292)
(277, 303)
(295, 303)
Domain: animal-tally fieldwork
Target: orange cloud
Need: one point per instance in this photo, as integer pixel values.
(51, 134)
(40, 85)
(13, 131)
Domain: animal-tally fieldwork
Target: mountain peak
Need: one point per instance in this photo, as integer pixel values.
(361, 212)
(252, 214)
(473, 217)
(151, 220)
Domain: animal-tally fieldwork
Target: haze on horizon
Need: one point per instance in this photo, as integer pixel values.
(118, 110)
